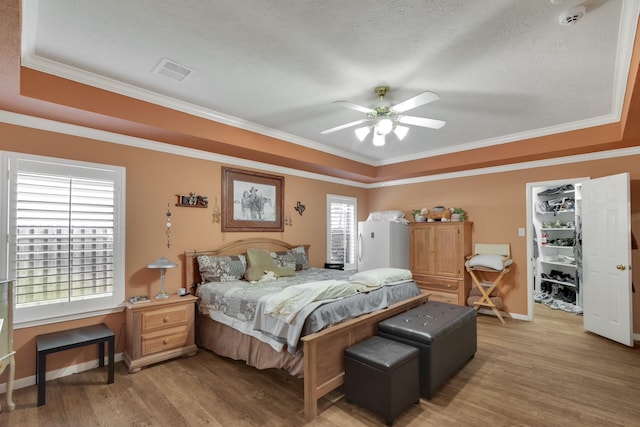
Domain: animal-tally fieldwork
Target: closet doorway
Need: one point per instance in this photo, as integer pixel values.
(579, 252)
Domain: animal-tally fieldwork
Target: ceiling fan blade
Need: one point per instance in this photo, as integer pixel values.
(344, 126)
(354, 106)
(422, 121)
(416, 101)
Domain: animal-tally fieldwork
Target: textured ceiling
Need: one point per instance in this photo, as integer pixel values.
(504, 70)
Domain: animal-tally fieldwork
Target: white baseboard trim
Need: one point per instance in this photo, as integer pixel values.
(504, 314)
(59, 373)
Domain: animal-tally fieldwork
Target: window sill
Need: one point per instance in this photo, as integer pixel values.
(40, 322)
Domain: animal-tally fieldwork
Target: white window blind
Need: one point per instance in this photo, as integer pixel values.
(66, 240)
(342, 230)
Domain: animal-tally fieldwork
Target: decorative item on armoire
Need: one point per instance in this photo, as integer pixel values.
(418, 215)
(458, 214)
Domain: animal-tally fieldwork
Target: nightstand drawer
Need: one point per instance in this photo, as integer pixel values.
(164, 340)
(165, 318)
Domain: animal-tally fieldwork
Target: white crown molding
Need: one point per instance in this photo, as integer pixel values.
(115, 138)
(535, 133)
(99, 135)
(628, 24)
(48, 66)
(601, 155)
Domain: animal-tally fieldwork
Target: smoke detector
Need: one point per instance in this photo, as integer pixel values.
(571, 16)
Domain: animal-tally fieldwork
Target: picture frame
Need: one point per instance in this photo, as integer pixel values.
(251, 201)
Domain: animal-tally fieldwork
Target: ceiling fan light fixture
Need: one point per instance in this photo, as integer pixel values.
(384, 126)
(401, 132)
(362, 132)
(378, 139)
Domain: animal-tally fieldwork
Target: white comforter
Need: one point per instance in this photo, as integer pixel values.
(281, 316)
(287, 303)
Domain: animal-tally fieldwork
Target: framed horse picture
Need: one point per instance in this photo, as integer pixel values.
(252, 201)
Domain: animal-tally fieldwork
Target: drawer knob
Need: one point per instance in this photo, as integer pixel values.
(166, 319)
(165, 341)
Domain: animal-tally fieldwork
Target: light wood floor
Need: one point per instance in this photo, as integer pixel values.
(543, 373)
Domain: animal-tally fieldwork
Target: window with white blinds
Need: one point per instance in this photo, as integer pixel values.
(342, 229)
(66, 237)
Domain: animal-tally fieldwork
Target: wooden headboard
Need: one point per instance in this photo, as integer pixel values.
(192, 273)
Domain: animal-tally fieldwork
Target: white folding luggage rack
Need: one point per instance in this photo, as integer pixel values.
(489, 259)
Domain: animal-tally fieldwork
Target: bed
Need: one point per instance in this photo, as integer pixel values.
(317, 356)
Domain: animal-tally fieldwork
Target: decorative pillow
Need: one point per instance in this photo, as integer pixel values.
(488, 261)
(300, 255)
(380, 276)
(221, 268)
(284, 259)
(259, 261)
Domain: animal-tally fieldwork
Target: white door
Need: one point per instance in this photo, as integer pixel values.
(606, 258)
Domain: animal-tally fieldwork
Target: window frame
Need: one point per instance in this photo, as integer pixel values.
(68, 310)
(331, 199)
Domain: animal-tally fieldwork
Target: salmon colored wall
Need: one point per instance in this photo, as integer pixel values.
(496, 203)
(153, 179)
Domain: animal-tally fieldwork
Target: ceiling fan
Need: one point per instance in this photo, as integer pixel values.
(384, 119)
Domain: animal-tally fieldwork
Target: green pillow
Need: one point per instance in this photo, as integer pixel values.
(259, 261)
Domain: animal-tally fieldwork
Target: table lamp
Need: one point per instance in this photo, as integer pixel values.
(162, 264)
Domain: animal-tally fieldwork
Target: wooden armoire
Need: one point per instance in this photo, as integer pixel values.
(437, 252)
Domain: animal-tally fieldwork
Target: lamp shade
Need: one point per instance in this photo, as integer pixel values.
(378, 139)
(162, 263)
(362, 132)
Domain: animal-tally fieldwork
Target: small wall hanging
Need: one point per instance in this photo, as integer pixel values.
(287, 218)
(216, 215)
(299, 207)
(168, 225)
(192, 201)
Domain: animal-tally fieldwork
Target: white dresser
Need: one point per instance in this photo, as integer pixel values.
(6, 338)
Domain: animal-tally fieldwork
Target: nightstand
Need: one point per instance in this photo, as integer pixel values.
(159, 330)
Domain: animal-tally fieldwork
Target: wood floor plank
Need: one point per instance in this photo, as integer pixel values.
(547, 372)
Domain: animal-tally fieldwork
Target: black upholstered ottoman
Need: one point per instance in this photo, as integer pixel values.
(446, 335)
(382, 376)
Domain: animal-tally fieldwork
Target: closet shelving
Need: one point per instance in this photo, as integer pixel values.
(557, 211)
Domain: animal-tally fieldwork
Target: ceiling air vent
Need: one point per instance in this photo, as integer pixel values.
(173, 70)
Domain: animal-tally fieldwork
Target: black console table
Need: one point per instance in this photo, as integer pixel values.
(66, 340)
